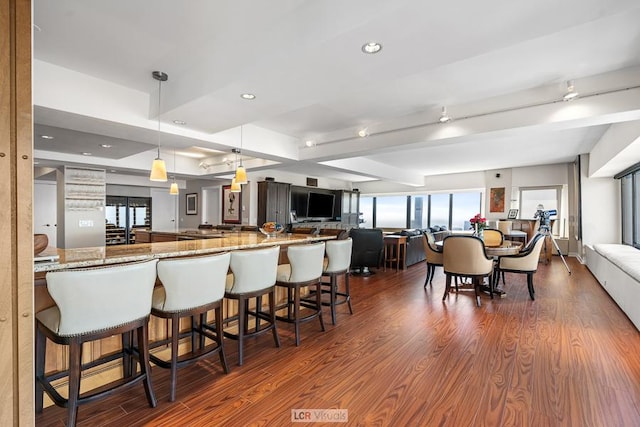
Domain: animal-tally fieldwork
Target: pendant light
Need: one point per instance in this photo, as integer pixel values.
(241, 172)
(173, 190)
(159, 168)
(235, 187)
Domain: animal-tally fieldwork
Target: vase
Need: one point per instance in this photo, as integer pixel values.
(481, 234)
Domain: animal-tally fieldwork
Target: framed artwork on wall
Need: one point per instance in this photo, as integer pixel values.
(192, 204)
(513, 214)
(231, 206)
(496, 200)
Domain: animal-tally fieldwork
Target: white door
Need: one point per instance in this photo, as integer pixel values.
(45, 210)
(211, 205)
(164, 210)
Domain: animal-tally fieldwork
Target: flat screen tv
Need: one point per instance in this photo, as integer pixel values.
(320, 205)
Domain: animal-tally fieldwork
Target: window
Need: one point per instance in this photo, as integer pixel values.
(419, 216)
(366, 209)
(391, 212)
(439, 210)
(549, 197)
(626, 185)
(463, 207)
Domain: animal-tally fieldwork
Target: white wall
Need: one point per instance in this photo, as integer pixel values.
(600, 208)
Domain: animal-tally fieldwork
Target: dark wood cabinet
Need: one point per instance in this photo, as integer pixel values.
(274, 202)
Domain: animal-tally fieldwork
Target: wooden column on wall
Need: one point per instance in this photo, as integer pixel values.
(16, 245)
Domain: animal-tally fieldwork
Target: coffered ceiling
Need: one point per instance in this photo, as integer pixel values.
(499, 67)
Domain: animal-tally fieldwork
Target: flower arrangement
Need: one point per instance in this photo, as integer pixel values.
(478, 223)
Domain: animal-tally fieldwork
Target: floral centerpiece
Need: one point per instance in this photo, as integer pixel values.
(478, 224)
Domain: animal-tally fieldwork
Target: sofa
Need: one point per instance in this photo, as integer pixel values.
(415, 250)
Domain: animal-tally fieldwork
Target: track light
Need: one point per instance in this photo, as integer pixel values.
(571, 92)
(444, 118)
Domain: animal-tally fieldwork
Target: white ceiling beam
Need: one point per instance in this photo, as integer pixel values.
(377, 170)
(618, 149)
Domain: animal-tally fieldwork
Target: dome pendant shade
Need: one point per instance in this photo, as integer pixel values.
(173, 190)
(241, 175)
(158, 171)
(235, 187)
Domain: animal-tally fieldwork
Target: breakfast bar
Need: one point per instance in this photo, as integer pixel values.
(63, 259)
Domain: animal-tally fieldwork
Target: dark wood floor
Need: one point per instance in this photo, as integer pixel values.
(406, 358)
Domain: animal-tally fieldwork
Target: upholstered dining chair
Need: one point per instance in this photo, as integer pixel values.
(303, 270)
(493, 237)
(464, 256)
(433, 255)
(337, 264)
(253, 274)
(505, 226)
(91, 304)
(525, 262)
(191, 287)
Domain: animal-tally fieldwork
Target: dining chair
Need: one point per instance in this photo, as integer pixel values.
(304, 270)
(253, 274)
(190, 287)
(464, 256)
(493, 237)
(525, 262)
(92, 304)
(433, 255)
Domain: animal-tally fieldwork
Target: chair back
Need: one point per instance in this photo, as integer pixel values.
(339, 255)
(505, 227)
(431, 252)
(528, 258)
(305, 263)
(101, 298)
(253, 269)
(465, 255)
(493, 237)
(192, 282)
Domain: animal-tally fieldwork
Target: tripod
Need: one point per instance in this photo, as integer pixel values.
(545, 230)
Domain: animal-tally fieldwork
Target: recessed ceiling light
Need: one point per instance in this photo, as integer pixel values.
(248, 96)
(36, 162)
(180, 122)
(86, 153)
(46, 137)
(309, 143)
(363, 133)
(444, 117)
(371, 47)
(105, 145)
(112, 171)
(571, 92)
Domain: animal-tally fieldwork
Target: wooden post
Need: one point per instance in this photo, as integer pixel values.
(16, 245)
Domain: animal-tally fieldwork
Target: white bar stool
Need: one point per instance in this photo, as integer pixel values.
(92, 304)
(304, 270)
(337, 264)
(191, 287)
(253, 275)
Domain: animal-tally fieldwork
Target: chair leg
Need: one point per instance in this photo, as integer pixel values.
(145, 367)
(332, 297)
(127, 342)
(348, 292)
(476, 289)
(530, 286)
(41, 346)
(426, 281)
(220, 335)
(241, 327)
(75, 358)
(258, 308)
(447, 287)
(175, 331)
(296, 313)
(433, 273)
(319, 303)
(272, 310)
(504, 282)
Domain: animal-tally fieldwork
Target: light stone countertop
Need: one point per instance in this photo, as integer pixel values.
(104, 255)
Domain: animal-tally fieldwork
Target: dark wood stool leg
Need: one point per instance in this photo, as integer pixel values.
(127, 365)
(145, 367)
(426, 281)
(319, 303)
(296, 312)
(220, 333)
(530, 286)
(332, 298)
(272, 309)
(41, 346)
(175, 332)
(447, 287)
(258, 309)
(241, 327)
(347, 288)
(75, 359)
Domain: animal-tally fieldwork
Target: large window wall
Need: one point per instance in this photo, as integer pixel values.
(450, 210)
(630, 198)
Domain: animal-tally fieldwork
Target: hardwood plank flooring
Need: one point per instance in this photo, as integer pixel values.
(569, 358)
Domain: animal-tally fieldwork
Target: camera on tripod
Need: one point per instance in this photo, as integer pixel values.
(545, 216)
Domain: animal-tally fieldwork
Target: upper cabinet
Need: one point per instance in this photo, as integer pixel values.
(274, 202)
